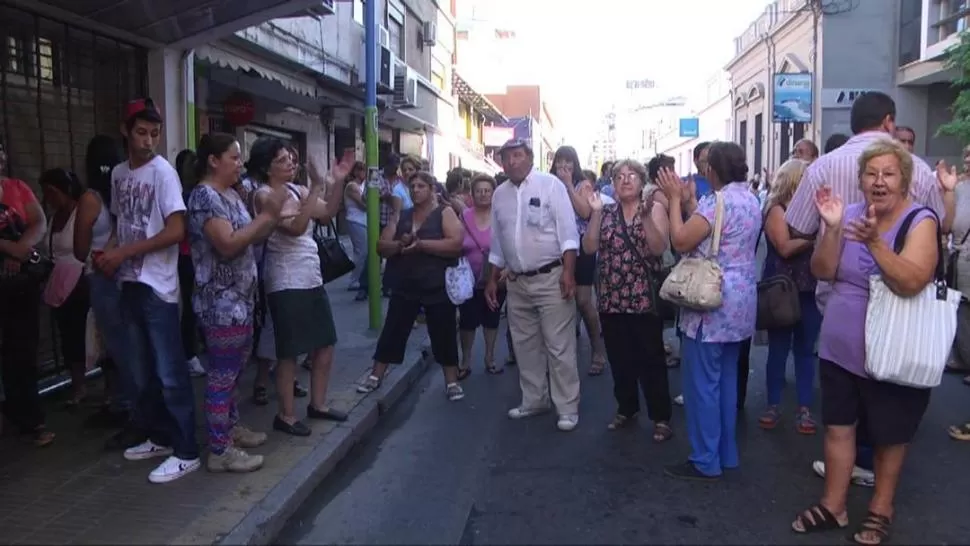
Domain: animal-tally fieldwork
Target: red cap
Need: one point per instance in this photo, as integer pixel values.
(146, 107)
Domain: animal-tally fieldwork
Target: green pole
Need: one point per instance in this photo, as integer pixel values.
(375, 312)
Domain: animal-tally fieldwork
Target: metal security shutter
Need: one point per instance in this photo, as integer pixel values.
(59, 87)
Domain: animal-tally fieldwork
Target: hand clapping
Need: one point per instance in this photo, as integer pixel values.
(830, 207)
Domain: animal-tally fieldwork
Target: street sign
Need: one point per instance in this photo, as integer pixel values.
(690, 127)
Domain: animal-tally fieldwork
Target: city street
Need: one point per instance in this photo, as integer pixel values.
(436, 472)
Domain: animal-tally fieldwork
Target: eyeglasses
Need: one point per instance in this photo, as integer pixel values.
(628, 177)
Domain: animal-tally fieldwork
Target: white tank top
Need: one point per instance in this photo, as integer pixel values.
(355, 213)
(62, 242)
(291, 263)
(100, 232)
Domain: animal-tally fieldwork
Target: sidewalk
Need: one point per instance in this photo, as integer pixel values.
(73, 492)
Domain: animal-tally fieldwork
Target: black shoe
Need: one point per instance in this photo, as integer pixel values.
(125, 438)
(329, 414)
(299, 391)
(296, 429)
(260, 396)
(687, 471)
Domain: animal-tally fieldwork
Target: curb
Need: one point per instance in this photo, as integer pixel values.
(264, 521)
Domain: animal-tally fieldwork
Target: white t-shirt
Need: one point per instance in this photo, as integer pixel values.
(142, 199)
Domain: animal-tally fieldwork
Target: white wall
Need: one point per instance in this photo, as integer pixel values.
(714, 122)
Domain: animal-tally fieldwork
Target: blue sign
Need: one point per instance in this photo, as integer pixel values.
(793, 98)
(690, 127)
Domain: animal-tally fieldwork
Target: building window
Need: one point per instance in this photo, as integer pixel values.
(758, 144)
(910, 29)
(359, 11)
(395, 27)
(438, 74)
(953, 17)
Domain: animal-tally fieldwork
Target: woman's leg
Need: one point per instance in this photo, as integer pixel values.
(71, 319)
(469, 319)
(358, 238)
(442, 330)
(744, 368)
(393, 340)
(805, 336)
(18, 360)
(651, 360)
(188, 321)
(730, 404)
(621, 350)
(702, 402)
(779, 345)
(587, 310)
(490, 322)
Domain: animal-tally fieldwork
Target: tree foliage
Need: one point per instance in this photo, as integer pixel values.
(958, 60)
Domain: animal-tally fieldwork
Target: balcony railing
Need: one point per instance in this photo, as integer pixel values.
(953, 18)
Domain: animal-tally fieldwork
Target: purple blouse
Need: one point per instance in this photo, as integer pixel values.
(843, 336)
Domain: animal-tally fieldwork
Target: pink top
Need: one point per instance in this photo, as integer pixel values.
(477, 242)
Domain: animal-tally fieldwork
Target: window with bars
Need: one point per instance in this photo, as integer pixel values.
(31, 58)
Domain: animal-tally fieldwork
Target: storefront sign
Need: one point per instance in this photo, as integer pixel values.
(239, 109)
(690, 127)
(793, 98)
(841, 98)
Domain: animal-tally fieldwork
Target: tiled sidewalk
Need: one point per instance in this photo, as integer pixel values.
(73, 492)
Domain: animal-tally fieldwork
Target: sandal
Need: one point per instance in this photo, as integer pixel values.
(770, 418)
(260, 395)
(491, 368)
(875, 527)
(959, 432)
(42, 437)
(662, 432)
(463, 373)
(621, 421)
(598, 365)
(371, 384)
(804, 423)
(815, 520)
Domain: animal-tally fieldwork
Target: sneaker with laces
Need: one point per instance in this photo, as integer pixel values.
(860, 476)
(234, 460)
(454, 392)
(243, 437)
(146, 450)
(174, 468)
(567, 422)
(522, 412)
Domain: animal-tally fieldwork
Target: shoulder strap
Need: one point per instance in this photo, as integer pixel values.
(472, 234)
(627, 240)
(965, 235)
(718, 223)
(900, 241)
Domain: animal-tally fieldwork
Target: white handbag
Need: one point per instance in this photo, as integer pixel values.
(695, 283)
(908, 340)
(460, 282)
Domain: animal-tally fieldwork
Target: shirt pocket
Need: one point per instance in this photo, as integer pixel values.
(534, 215)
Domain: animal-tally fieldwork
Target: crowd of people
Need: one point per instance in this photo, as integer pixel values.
(216, 257)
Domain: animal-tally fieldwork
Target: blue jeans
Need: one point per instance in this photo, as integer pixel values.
(710, 383)
(165, 407)
(106, 304)
(800, 341)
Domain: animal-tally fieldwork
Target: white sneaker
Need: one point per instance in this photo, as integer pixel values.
(174, 468)
(860, 476)
(195, 367)
(146, 450)
(567, 422)
(679, 400)
(522, 413)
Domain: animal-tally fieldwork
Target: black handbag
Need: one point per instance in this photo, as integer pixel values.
(334, 261)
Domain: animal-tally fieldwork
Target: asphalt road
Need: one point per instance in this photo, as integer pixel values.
(437, 472)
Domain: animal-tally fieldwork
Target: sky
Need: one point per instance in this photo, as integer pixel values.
(589, 49)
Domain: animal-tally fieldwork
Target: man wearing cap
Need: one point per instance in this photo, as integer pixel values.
(535, 239)
(146, 200)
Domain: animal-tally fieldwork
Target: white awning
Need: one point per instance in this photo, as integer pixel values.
(236, 59)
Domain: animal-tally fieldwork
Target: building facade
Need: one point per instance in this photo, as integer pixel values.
(531, 117)
(846, 49)
(712, 110)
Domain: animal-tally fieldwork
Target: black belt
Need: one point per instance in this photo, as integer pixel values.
(541, 271)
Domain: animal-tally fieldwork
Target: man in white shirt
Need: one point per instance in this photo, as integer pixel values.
(147, 203)
(534, 239)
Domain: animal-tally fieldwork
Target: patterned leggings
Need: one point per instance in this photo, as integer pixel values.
(227, 350)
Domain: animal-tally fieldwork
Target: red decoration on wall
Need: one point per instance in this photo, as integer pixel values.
(240, 109)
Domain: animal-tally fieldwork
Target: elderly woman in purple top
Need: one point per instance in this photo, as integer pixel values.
(712, 340)
(858, 241)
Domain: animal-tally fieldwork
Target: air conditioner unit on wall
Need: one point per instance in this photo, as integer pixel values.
(384, 37)
(429, 33)
(405, 86)
(385, 70)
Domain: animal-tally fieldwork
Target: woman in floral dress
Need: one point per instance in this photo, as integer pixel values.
(712, 339)
(630, 236)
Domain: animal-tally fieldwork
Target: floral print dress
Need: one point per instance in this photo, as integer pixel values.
(734, 321)
(625, 283)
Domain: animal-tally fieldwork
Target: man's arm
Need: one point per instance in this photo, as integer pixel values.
(801, 215)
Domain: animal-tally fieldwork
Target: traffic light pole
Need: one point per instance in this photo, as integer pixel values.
(375, 311)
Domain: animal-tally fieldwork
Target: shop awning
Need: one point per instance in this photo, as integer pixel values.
(173, 23)
(478, 101)
(237, 59)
